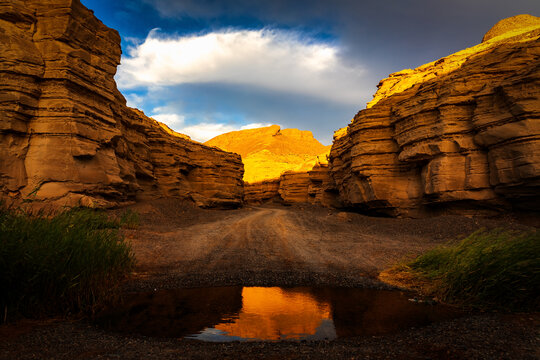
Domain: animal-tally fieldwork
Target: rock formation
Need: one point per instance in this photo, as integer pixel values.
(66, 135)
(278, 163)
(462, 132)
(262, 191)
(294, 186)
(314, 186)
(518, 24)
(270, 151)
(321, 189)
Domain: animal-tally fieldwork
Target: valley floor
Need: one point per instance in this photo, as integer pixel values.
(178, 245)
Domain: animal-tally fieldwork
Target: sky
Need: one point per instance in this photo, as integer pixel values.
(205, 67)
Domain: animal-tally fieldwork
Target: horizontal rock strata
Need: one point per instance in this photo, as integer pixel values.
(460, 133)
(293, 187)
(314, 187)
(262, 191)
(66, 134)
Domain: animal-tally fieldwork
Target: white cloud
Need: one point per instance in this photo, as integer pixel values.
(200, 132)
(174, 121)
(205, 131)
(134, 100)
(276, 60)
(254, 126)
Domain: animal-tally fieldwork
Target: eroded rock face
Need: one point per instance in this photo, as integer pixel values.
(461, 133)
(66, 135)
(294, 186)
(262, 191)
(322, 189)
(314, 187)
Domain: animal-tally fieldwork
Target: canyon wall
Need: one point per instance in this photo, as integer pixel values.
(313, 187)
(262, 191)
(461, 133)
(66, 134)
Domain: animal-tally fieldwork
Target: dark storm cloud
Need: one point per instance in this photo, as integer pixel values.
(389, 35)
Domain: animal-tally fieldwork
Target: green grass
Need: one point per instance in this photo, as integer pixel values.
(66, 263)
(494, 269)
(129, 219)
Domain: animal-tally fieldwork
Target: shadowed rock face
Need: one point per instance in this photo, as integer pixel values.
(314, 187)
(66, 134)
(262, 191)
(461, 133)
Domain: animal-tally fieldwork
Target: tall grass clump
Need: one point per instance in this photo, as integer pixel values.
(59, 264)
(494, 269)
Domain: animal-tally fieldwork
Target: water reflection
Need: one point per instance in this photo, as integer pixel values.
(277, 314)
(258, 313)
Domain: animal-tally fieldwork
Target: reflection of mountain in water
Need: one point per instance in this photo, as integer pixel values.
(275, 313)
(236, 313)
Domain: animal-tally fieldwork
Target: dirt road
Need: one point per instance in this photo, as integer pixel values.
(283, 245)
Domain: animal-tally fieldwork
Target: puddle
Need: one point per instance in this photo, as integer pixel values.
(270, 313)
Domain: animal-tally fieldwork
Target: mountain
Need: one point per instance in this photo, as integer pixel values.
(270, 151)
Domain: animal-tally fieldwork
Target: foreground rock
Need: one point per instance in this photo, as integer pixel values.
(461, 133)
(66, 134)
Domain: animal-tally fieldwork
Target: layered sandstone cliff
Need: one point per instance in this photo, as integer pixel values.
(262, 191)
(314, 186)
(66, 135)
(462, 132)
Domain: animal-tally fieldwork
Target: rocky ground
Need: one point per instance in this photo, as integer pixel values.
(178, 245)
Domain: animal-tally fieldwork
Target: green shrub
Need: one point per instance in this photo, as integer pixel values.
(129, 219)
(489, 269)
(64, 263)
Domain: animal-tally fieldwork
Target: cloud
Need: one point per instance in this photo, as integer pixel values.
(276, 60)
(205, 131)
(134, 100)
(174, 121)
(202, 131)
(388, 35)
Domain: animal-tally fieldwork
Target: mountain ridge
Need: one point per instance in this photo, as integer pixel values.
(268, 152)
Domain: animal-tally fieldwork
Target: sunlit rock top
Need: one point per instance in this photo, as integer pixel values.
(518, 28)
(270, 151)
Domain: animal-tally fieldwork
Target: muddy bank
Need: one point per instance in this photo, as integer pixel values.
(486, 336)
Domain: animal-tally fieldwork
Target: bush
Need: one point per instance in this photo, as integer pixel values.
(489, 269)
(65, 263)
